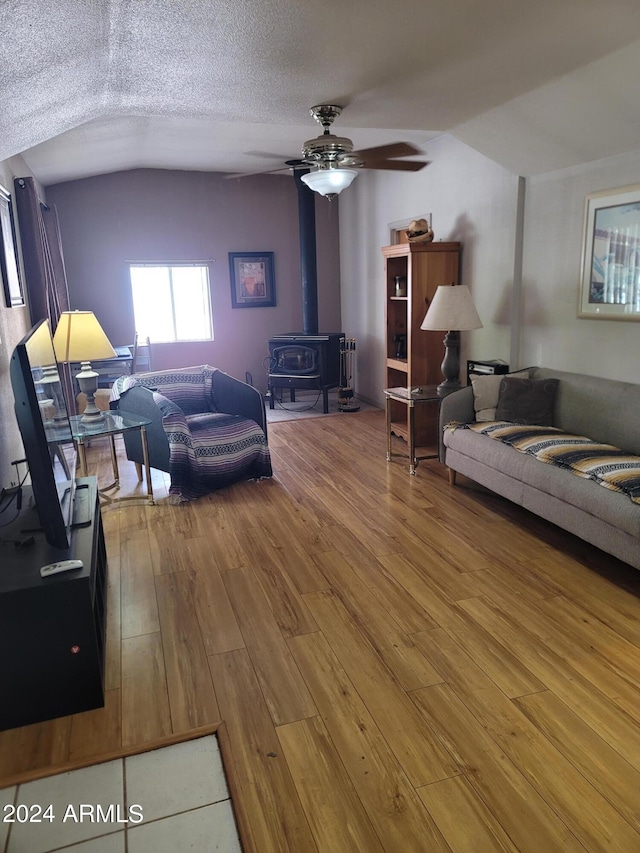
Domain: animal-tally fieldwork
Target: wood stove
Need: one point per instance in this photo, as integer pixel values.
(309, 359)
(305, 361)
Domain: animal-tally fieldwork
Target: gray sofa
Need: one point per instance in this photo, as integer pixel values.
(602, 409)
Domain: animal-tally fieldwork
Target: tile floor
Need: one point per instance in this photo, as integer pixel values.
(164, 801)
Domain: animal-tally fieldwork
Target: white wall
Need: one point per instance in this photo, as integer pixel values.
(109, 220)
(472, 200)
(553, 335)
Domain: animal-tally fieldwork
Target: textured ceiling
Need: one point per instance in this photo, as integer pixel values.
(91, 86)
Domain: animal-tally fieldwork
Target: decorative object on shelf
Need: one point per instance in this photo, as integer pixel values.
(419, 231)
(80, 337)
(400, 288)
(252, 279)
(398, 229)
(401, 346)
(9, 252)
(451, 311)
(610, 274)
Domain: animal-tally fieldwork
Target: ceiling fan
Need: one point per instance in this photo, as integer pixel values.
(333, 162)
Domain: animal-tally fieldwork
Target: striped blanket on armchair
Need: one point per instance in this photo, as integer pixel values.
(208, 449)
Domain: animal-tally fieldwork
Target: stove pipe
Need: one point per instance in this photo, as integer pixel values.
(308, 256)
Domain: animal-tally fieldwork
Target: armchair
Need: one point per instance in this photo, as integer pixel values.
(207, 428)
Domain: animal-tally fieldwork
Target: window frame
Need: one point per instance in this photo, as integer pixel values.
(170, 266)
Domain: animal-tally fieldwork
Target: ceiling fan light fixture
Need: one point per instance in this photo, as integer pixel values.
(329, 182)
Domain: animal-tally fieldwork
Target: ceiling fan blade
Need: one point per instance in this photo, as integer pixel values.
(274, 170)
(382, 152)
(268, 155)
(285, 165)
(396, 165)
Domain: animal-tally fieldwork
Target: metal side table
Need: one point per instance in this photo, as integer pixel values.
(113, 423)
(417, 397)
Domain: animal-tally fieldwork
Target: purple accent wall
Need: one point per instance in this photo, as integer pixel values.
(156, 215)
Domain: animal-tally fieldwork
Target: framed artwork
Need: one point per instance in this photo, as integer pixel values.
(9, 252)
(252, 280)
(610, 272)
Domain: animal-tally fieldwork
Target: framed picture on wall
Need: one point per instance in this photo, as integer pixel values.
(610, 272)
(9, 268)
(252, 279)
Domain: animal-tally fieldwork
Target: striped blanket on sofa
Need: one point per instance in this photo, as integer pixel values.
(607, 465)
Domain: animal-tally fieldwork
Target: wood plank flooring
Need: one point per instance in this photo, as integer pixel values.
(396, 664)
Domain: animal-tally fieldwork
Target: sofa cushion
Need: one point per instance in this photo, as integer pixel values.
(603, 463)
(526, 401)
(493, 454)
(611, 507)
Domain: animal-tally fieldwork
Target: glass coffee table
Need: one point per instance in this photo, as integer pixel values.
(112, 424)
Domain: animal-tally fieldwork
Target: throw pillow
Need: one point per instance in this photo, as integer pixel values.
(527, 401)
(485, 396)
(486, 390)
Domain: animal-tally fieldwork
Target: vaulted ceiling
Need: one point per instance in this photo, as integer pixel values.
(93, 86)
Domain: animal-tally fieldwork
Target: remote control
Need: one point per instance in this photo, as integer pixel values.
(62, 566)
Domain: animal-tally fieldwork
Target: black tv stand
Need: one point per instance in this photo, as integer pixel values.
(52, 630)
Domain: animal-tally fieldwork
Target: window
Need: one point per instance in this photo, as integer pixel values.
(171, 303)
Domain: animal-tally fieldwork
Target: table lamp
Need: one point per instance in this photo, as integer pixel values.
(451, 311)
(46, 378)
(80, 337)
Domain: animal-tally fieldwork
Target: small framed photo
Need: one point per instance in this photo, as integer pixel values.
(252, 279)
(610, 272)
(9, 267)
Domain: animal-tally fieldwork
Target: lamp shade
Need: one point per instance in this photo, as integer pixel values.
(80, 337)
(39, 348)
(329, 182)
(452, 309)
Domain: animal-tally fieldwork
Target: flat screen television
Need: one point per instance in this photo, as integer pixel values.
(43, 421)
